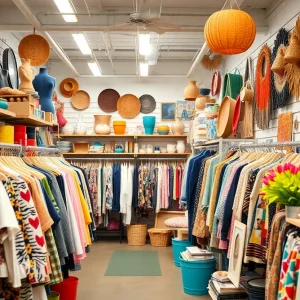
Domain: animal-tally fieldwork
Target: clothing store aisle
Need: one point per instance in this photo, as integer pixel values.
(93, 285)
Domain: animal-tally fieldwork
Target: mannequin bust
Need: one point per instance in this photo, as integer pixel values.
(26, 75)
(44, 84)
(4, 78)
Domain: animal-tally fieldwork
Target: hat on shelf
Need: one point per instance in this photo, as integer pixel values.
(68, 87)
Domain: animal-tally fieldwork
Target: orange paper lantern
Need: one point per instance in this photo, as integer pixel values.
(229, 31)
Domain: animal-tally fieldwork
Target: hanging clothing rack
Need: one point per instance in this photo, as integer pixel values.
(160, 159)
(42, 151)
(269, 145)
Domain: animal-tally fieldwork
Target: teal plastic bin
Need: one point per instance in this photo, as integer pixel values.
(196, 275)
(179, 246)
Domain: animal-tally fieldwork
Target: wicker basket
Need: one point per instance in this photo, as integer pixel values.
(160, 237)
(137, 234)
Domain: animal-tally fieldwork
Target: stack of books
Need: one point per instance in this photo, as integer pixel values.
(195, 253)
(225, 290)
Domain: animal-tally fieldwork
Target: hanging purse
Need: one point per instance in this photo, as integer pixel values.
(247, 92)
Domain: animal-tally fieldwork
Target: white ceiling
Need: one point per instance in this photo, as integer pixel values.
(115, 50)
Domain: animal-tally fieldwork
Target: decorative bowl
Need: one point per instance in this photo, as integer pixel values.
(204, 92)
(163, 130)
(119, 150)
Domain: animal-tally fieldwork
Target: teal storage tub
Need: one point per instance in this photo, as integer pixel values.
(179, 246)
(196, 275)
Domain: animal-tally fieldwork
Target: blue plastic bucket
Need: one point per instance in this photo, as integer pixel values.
(149, 124)
(179, 246)
(196, 275)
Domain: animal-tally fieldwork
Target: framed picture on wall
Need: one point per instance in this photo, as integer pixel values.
(237, 253)
(185, 110)
(168, 111)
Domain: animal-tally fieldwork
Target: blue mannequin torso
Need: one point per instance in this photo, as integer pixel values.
(44, 84)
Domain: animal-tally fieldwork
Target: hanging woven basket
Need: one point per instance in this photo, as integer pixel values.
(230, 31)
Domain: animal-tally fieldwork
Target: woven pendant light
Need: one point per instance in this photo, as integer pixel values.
(292, 53)
(230, 31)
(191, 92)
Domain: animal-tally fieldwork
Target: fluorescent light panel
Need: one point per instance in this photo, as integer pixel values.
(94, 68)
(144, 43)
(65, 6)
(82, 43)
(144, 69)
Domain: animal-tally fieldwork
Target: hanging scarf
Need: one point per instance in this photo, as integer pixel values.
(280, 87)
(263, 87)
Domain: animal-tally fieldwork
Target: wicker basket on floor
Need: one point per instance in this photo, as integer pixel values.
(160, 237)
(137, 234)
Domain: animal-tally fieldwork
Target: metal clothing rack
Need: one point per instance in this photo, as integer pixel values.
(42, 151)
(10, 150)
(269, 145)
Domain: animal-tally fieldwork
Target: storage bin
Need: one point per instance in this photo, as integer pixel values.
(177, 247)
(24, 109)
(81, 147)
(160, 237)
(136, 234)
(67, 289)
(196, 275)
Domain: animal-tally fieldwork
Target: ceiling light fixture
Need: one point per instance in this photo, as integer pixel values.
(82, 43)
(144, 69)
(66, 7)
(95, 68)
(144, 43)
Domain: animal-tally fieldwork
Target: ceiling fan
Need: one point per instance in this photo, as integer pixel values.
(136, 21)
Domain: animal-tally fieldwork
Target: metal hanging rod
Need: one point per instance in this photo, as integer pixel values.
(270, 145)
(98, 159)
(10, 149)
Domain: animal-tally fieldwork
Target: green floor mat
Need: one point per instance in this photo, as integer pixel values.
(133, 263)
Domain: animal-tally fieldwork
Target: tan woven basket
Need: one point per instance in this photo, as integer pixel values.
(136, 234)
(160, 237)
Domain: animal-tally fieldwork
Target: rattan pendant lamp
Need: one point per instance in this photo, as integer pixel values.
(230, 31)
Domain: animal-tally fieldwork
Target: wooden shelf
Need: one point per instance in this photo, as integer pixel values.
(145, 155)
(120, 135)
(6, 114)
(295, 222)
(25, 120)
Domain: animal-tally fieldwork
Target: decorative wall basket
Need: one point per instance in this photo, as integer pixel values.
(36, 48)
(292, 53)
(81, 100)
(230, 31)
(212, 61)
(68, 87)
(191, 91)
(129, 106)
(225, 119)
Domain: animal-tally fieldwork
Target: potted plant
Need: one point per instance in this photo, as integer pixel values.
(282, 186)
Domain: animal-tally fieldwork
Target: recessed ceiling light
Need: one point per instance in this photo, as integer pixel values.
(144, 43)
(95, 69)
(82, 43)
(144, 69)
(65, 6)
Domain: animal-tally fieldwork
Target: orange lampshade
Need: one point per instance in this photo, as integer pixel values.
(230, 31)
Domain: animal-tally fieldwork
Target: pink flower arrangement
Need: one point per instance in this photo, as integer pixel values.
(282, 185)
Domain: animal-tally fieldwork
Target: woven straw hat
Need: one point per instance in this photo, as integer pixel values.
(36, 48)
(81, 99)
(225, 118)
(279, 62)
(129, 106)
(292, 54)
(68, 87)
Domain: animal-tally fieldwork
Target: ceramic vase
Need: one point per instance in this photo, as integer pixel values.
(101, 124)
(180, 146)
(201, 101)
(191, 91)
(149, 123)
(80, 126)
(177, 127)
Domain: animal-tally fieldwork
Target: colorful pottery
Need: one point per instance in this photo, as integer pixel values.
(180, 146)
(177, 127)
(149, 123)
(163, 130)
(119, 127)
(3, 104)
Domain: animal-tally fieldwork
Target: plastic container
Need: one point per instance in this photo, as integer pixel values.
(149, 123)
(54, 296)
(67, 289)
(196, 275)
(179, 246)
(119, 127)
